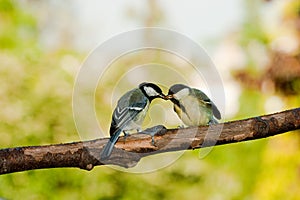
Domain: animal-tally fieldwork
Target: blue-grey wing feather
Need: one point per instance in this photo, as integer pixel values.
(129, 106)
(205, 99)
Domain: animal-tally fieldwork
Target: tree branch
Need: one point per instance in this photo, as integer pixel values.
(85, 155)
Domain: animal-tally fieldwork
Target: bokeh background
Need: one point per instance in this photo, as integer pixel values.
(254, 44)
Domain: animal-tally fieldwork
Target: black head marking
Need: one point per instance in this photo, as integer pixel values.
(156, 92)
(176, 88)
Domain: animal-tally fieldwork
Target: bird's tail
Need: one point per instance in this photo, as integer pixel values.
(110, 145)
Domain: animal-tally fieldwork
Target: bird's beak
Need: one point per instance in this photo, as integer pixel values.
(163, 96)
(168, 97)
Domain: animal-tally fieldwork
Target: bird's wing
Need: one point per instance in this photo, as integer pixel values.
(216, 111)
(129, 106)
(121, 118)
(207, 101)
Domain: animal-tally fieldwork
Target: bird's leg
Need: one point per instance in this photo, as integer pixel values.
(180, 126)
(126, 134)
(213, 121)
(138, 130)
(155, 130)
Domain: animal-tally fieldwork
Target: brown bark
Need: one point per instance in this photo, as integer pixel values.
(85, 155)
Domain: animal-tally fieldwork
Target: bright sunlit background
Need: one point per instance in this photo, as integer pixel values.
(254, 44)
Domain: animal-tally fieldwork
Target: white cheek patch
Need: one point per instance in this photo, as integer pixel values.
(182, 93)
(150, 91)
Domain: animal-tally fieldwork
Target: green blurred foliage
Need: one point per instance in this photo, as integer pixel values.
(36, 109)
(277, 171)
(32, 84)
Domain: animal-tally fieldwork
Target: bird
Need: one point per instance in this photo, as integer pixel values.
(130, 112)
(192, 106)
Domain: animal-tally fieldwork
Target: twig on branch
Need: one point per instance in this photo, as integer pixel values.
(85, 155)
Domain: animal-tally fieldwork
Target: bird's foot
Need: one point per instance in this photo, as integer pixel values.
(138, 130)
(180, 126)
(155, 130)
(213, 121)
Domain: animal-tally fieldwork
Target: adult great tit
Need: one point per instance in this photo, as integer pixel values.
(192, 106)
(130, 113)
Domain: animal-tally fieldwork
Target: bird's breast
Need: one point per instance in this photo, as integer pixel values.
(195, 113)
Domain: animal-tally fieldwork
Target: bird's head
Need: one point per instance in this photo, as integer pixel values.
(178, 91)
(151, 91)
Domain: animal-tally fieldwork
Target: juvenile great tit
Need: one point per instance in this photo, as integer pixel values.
(192, 106)
(130, 113)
